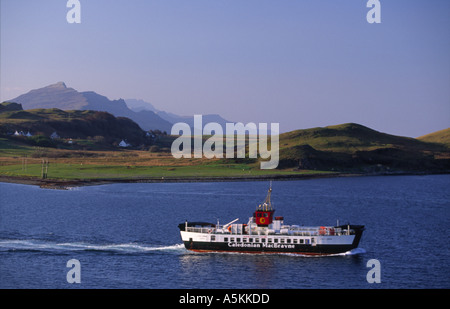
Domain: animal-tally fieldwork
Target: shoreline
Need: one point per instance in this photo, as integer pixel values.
(67, 184)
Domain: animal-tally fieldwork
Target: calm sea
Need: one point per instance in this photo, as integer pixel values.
(126, 235)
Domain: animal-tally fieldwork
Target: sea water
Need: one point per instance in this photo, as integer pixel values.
(126, 235)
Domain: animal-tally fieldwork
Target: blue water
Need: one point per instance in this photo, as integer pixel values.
(126, 236)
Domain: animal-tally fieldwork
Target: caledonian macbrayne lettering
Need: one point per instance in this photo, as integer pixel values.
(263, 245)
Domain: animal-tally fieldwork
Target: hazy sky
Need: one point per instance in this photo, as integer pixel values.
(302, 63)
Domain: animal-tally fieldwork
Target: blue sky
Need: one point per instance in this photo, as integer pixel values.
(301, 63)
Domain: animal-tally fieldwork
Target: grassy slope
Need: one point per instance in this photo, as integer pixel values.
(72, 124)
(352, 146)
(441, 137)
(348, 138)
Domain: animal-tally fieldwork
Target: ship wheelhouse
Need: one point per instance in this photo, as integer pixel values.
(263, 215)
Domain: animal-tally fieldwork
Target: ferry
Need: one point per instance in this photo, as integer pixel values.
(265, 233)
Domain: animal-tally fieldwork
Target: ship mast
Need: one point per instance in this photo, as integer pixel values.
(267, 204)
(264, 212)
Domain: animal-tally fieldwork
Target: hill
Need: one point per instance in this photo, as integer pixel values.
(62, 97)
(353, 147)
(101, 127)
(10, 106)
(440, 137)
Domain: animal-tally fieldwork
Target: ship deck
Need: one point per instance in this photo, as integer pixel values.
(285, 230)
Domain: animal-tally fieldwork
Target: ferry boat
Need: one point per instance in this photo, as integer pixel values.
(265, 233)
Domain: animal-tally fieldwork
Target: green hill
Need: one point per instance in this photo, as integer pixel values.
(353, 147)
(440, 137)
(10, 106)
(101, 127)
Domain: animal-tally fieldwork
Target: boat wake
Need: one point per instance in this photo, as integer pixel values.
(46, 246)
(356, 251)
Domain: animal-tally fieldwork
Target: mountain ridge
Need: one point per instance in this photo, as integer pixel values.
(60, 96)
(141, 105)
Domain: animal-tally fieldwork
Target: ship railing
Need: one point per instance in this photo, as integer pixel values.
(296, 231)
(318, 231)
(206, 230)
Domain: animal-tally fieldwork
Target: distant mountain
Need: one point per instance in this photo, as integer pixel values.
(62, 97)
(141, 105)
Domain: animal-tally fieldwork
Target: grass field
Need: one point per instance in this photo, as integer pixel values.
(18, 161)
(66, 171)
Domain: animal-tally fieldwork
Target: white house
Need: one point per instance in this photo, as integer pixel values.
(123, 143)
(21, 133)
(54, 135)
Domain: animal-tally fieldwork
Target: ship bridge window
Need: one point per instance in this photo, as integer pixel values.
(275, 240)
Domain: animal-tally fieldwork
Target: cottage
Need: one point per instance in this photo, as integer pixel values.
(54, 135)
(123, 143)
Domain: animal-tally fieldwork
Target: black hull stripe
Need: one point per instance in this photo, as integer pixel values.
(258, 248)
